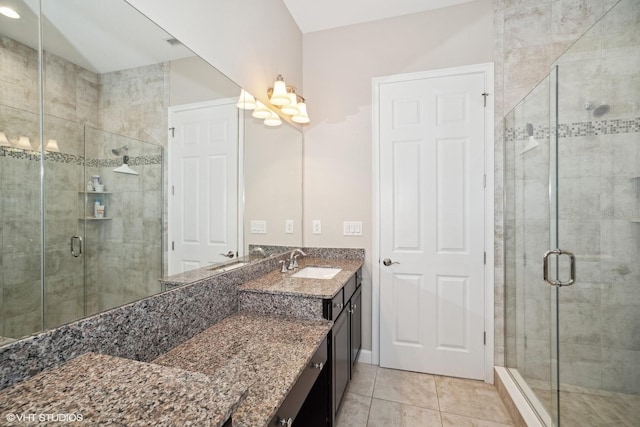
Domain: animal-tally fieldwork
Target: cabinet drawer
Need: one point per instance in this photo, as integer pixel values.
(334, 307)
(298, 394)
(349, 288)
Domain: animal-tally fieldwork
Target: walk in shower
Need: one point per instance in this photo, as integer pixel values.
(61, 259)
(572, 182)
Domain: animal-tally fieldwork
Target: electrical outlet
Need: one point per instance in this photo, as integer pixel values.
(288, 226)
(258, 227)
(317, 226)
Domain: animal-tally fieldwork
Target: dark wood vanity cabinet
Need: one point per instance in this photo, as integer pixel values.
(345, 338)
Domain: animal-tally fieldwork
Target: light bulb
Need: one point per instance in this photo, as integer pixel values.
(246, 101)
(279, 95)
(261, 111)
(273, 120)
(302, 116)
(292, 108)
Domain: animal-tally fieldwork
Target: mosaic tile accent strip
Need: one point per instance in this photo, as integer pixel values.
(18, 153)
(570, 130)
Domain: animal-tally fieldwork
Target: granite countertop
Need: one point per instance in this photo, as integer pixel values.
(269, 353)
(208, 271)
(107, 390)
(283, 283)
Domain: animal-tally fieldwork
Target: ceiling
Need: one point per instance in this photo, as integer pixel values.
(317, 15)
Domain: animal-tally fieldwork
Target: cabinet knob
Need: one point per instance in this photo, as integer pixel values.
(317, 365)
(286, 422)
(338, 305)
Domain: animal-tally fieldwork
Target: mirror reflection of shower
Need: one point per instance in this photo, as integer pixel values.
(532, 143)
(125, 161)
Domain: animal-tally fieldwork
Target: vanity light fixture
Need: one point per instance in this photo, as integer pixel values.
(261, 111)
(289, 102)
(273, 120)
(246, 101)
(291, 109)
(278, 95)
(302, 116)
(24, 143)
(52, 145)
(9, 12)
(4, 141)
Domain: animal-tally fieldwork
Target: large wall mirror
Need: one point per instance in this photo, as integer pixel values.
(85, 208)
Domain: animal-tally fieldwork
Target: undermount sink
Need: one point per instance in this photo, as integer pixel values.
(325, 273)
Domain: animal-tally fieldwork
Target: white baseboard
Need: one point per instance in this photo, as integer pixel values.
(365, 356)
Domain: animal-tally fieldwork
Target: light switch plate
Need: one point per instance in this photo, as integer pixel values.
(258, 227)
(352, 228)
(288, 226)
(317, 226)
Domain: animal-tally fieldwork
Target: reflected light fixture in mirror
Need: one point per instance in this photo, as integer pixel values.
(246, 100)
(24, 143)
(261, 111)
(9, 12)
(273, 120)
(4, 141)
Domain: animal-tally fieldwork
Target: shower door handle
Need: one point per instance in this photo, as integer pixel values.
(545, 268)
(74, 239)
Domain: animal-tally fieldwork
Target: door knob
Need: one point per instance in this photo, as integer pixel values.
(388, 262)
(229, 254)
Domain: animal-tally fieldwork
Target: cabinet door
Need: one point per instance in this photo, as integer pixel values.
(356, 325)
(341, 358)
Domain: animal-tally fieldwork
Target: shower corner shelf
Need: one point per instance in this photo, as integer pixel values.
(634, 219)
(93, 218)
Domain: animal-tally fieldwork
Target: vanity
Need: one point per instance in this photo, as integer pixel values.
(284, 356)
(337, 298)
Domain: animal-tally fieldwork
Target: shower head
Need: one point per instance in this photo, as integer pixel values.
(601, 110)
(119, 151)
(598, 111)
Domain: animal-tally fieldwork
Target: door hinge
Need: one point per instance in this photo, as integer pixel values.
(485, 258)
(485, 94)
(484, 180)
(485, 338)
(173, 131)
(173, 246)
(173, 190)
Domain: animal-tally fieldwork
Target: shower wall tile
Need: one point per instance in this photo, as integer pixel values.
(536, 363)
(580, 199)
(580, 323)
(25, 268)
(581, 364)
(20, 236)
(621, 327)
(620, 371)
(569, 18)
(18, 85)
(580, 156)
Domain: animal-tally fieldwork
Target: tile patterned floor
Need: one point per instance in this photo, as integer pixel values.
(386, 397)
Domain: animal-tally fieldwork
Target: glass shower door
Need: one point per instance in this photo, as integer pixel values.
(530, 212)
(598, 211)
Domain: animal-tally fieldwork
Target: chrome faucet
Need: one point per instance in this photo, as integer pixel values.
(293, 258)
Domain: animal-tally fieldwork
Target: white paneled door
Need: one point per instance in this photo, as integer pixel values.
(203, 181)
(432, 225)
